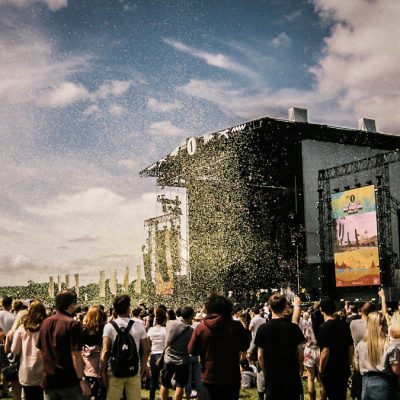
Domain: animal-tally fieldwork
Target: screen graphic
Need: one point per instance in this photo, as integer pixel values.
(355, 242)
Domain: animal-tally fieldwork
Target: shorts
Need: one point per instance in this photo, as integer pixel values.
(311, 357)
(179, 372)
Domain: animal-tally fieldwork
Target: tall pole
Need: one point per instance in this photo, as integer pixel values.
(298, 269)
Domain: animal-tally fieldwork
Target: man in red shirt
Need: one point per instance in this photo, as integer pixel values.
(60, 341)
(218, 341)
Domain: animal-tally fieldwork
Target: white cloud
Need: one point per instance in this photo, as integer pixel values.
(114, 88)
(359, 65)
(116, 110)
(93, 200)
(54, 5)
(66, 94)
(293, 15)
(165, 128)
(129, 164)
(216, 60)
(282, 40)
(159, 106)
(357, 73)
(90, 110)
(81, 232)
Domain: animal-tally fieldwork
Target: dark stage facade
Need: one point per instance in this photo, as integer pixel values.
(254, 203)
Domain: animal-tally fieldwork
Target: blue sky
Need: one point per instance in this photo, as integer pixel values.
(94, 91)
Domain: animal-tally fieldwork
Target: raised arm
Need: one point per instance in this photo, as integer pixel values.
(296, 310)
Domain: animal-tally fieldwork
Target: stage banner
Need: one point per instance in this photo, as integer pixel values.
(67, 281)
(355, 242)
(164, 268)
(126, 280)
(113, 282)
(51, 287)
(102, 285)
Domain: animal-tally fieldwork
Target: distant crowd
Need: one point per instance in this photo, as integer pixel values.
(68, 352)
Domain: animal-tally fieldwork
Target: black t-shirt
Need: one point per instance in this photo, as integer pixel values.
(92, 340)
(279, 339)
(336, 335)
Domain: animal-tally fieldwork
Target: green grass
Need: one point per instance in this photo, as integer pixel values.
(247, 394)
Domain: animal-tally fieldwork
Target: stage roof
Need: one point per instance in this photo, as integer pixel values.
(286, 131)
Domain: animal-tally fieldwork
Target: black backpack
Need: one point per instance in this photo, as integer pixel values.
(124, 357)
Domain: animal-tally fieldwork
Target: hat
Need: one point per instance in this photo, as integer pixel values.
(198, 316)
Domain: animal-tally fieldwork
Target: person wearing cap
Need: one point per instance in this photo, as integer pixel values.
(336, 345)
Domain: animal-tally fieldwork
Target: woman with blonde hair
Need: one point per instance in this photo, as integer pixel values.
(92, 334)
(378, 361)
(24, 346)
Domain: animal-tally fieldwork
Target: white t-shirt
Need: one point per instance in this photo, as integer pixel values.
(256, 322)
(137, 331)
(157, 336)
(6, 321)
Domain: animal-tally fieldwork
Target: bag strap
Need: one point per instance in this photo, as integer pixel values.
(128, 327)
(175, 339)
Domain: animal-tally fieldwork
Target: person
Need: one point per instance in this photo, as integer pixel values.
(248, 374)
(176, 356)
(378, 361)
(280, 352)
(195, 372)
(60, 343)
(19, 310)
(257, 320)
(132, 384)
(336, 347)
(6, 322)
(24, 348)
(358, 328)
(156, 334)
(92, 338)
(218, 340)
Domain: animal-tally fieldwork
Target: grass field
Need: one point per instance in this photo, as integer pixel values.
(247, 394)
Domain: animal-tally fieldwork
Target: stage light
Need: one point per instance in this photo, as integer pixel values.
(347, 188)
(336, 190)
(357, 185)
(369, 182)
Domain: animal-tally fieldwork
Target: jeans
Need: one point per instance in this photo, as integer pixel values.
(195, 376)
(155, 375)
(379, 386)
(73, 393)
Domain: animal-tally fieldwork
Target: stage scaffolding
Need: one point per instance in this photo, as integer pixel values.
(386, 204)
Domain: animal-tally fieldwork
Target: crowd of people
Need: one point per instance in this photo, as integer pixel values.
(211, 353)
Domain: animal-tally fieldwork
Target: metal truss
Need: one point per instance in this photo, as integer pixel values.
(385, 204)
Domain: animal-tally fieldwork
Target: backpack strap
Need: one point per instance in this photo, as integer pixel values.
(118, 329)
(130, 324)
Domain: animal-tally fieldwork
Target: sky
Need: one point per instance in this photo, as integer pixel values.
(94, 91)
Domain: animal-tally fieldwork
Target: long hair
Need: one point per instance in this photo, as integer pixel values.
(94, 320)
(376, 337)
(394, 328)
(36, 315)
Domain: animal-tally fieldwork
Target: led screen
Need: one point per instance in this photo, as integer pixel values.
(355, 242)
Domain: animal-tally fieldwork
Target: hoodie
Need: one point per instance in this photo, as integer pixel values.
(218, 341)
